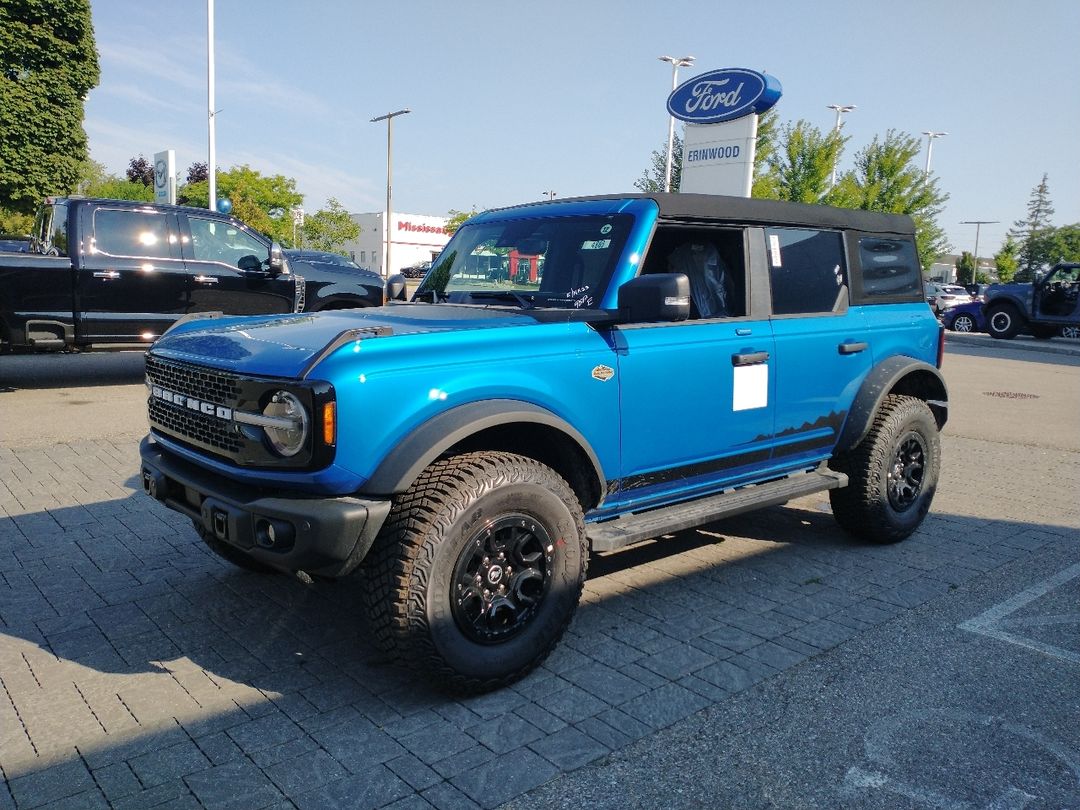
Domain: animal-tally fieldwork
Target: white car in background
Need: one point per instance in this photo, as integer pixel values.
(942, 296)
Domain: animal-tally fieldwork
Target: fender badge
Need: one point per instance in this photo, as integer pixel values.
(603, 373)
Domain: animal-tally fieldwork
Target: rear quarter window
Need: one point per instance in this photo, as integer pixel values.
(886, 270)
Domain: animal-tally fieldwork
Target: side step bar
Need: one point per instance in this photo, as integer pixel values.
(633, 528)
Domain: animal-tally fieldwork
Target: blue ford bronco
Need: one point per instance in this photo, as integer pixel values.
(570, 376)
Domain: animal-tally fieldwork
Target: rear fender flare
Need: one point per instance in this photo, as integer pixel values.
(895, 375)
(431, 439)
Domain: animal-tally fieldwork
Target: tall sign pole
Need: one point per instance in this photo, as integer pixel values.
(978, 223)
(211, 162)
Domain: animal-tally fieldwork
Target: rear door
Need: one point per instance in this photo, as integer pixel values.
(822, 347)
(131, 283)
(214, 251)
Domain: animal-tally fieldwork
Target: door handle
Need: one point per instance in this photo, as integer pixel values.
(853, 348)
(108, 275)
(206, 279)
(749, 358)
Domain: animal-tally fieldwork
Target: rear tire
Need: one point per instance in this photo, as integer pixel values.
(1004, 322)
(478, 569)
(892, 473)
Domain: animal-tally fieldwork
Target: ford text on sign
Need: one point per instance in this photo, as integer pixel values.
(723, 95)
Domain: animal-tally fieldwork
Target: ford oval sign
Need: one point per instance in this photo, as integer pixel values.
(723, 95)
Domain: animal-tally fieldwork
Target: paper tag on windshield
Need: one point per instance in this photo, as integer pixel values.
(774, 249)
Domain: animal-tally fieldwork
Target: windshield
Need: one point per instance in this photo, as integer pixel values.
(551, 262)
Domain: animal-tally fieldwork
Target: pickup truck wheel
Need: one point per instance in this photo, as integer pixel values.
(478, 569)
(892, 473)
(1004, 322)
(233, 555)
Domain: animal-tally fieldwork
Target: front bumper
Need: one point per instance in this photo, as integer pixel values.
(326, 536)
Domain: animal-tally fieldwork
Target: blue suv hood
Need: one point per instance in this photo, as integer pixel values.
(259, 346)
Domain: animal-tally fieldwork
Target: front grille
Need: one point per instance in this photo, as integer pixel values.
(213, 386)
(208, 385)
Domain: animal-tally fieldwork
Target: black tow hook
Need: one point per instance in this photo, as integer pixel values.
(154, 484)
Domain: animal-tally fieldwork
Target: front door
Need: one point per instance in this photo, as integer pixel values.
(228, 272)
(1057, 297)
(131, 283)
(696, 396)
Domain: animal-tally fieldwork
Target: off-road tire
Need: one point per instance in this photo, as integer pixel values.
(231, 554)
(424, 545)
(905, 433)
(1004, 322)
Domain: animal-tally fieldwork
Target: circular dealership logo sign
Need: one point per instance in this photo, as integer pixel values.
(723, 95)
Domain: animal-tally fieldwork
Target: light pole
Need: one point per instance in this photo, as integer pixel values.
(676, 63)
(930, 136)
(840, 110)
(549, 194)
(211, 162)
(389, 119)
(978, 223)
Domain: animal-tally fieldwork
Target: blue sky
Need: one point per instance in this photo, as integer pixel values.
(511, 100)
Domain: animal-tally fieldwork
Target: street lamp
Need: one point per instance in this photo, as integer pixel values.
(676, 63)
(930, 148)
(211, 135)
(978, 223)
(840, 110)
(549, 194)
(389, 119)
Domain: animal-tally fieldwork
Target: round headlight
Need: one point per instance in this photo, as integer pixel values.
(289, 432)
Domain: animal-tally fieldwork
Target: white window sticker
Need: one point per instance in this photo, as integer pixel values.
(774, 249)
(751, 388)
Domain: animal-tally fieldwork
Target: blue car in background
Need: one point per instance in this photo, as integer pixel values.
(966, 317)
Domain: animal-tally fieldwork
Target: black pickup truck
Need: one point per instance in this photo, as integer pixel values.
(116, 274)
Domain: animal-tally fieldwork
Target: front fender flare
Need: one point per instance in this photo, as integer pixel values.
(895, 374)
(434, 437)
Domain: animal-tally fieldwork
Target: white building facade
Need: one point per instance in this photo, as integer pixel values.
(414, 238)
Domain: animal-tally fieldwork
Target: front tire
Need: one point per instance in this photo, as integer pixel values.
(1004, 322)
(892, 473)
(478, 569)
(963, 323)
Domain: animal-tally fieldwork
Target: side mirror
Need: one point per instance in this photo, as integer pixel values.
(251, 265)
(276, 262)
(656, 297)
(395, 288)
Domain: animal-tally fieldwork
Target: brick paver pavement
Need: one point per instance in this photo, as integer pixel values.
(138, 670)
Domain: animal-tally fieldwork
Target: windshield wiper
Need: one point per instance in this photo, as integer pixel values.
(503, 295)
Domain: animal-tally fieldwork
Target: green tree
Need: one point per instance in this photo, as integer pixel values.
(48, 65)
(799, 167)
(887, 178)
(1005, 260)
(965, 268)
(15, 222)
(1030, 231)
(329, 228)
(1062, 244)
(457, 219)
(260, 201)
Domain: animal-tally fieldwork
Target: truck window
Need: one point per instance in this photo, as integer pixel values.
(806, 270)
(713, 259)
(140, 234)
(50, 230)
(889, 267)
(215, 241)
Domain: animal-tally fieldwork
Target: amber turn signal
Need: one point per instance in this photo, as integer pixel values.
(329, 423)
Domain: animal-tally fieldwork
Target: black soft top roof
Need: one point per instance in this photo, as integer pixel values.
(711, 208)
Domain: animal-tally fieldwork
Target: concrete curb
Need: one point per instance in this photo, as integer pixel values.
(1023, 343)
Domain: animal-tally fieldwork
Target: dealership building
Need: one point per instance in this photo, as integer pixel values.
(414, 238)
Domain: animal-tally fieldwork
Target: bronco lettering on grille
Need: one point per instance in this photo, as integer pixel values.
(191, 403)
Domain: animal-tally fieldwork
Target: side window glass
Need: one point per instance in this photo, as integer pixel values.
(59, 236)
(712, 260)
(889, 267)
(806, 270)
(140, 234)
(216, 241)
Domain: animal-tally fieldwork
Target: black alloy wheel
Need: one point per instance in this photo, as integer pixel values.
(906, 472)
(501, 578)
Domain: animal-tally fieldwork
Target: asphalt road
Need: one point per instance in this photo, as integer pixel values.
(763, 661)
